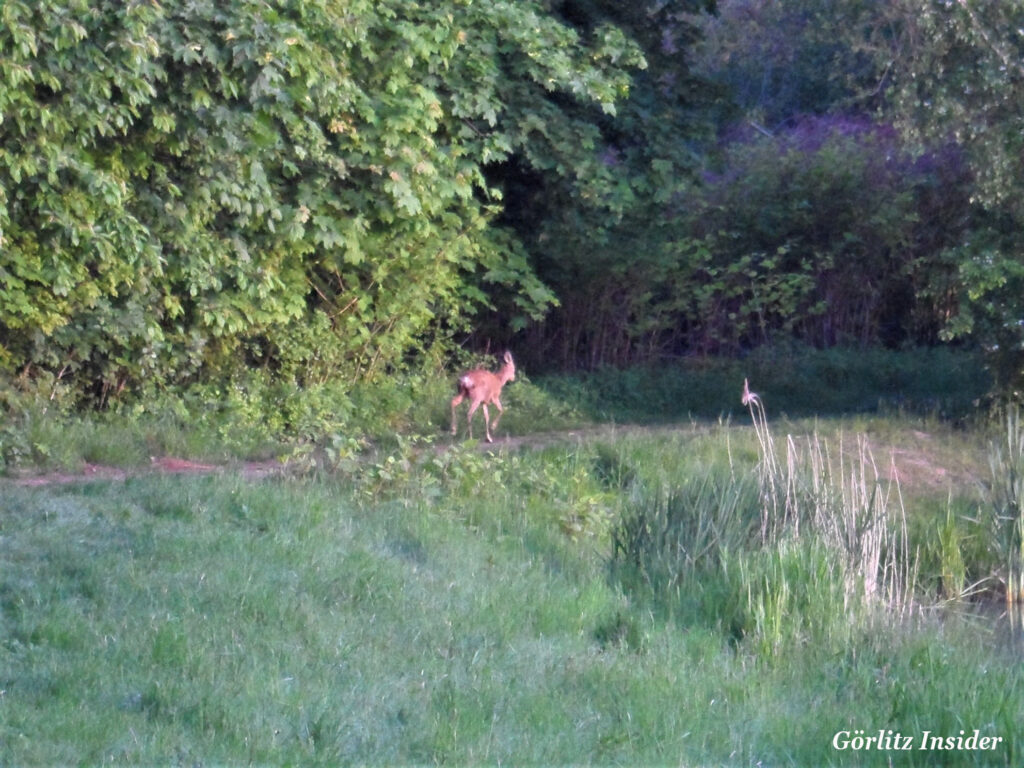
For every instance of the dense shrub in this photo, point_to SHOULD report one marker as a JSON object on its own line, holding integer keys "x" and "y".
{"x": 191, "y": 190}
{"x": 828, "y": 231}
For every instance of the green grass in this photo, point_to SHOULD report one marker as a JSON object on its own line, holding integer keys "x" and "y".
{"x": 619, "y": 595}
{"x": 453, "y": 607}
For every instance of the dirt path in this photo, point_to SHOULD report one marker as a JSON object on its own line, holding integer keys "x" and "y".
{"x": 170, "y": 465}
{"x": 919, "y": 462}
{"x": 167, "y": 465}
{"x": 923, "y": 462}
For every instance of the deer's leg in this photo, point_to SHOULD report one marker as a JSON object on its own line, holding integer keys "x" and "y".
{"x": 455, "y": 404}
{"x": 487, "y": 424}
{"x": 469, "y": 417}
{"x": 497, "y": 404}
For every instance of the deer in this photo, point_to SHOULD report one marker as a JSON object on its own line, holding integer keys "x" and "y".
{"x": 483, "y": 387}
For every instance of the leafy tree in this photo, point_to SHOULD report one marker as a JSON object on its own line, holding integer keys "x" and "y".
{"x": 605, "y": 247}
{"x": 190, "y": 190}
{"x": 959, "y": 77}
{"x": 947, "y": 74}
{"x": 785, "y": 60}
{"x": 812, "y": 221}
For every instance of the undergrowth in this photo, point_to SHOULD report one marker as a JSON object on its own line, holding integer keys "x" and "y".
{"x": 259, "y": 417}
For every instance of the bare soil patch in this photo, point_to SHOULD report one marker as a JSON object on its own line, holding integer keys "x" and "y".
{"x": 924, "y": 461}
{"x": 168, "y": 465}
{"x": 919, "y": 461}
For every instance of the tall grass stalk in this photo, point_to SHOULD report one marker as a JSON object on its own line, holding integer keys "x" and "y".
{"x": 951, "y": 558}
{"x": 769, "y": 470}
{"x": 672, "y": 535}
{"x": 1005, "y": 500}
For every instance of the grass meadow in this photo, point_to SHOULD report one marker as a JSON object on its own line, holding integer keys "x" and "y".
{"x": 745, "y": 589}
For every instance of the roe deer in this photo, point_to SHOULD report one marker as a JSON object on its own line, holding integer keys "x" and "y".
{"x": 483, "y": 387}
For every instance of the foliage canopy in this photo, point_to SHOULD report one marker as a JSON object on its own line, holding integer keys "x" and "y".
{"x": 190, "y": 189}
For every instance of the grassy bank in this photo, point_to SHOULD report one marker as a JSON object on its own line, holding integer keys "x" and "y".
{"x": 448, "y": 606}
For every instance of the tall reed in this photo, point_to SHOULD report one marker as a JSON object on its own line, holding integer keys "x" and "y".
{"x": 672, "y": 534}
{"x": 808, "y": 546}
{"x": 1004, "y": 496}
{"x": 839, "y": 498}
